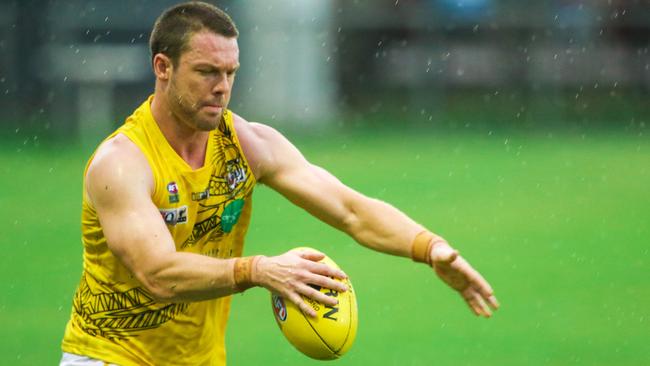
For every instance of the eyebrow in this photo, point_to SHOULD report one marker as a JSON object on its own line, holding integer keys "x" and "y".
{"x": 211, "y": 65}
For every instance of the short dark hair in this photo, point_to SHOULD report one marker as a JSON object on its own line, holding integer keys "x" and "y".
{"x": 176, "y": 25}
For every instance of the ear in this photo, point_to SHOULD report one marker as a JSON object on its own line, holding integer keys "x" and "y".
{"x": 162, "y": 66}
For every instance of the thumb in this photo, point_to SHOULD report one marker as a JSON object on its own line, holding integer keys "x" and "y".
{"x": 442, "y": 253}
{"x": 309, "y": 254}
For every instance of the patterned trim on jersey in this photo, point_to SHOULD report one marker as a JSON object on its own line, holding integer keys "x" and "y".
{"x": 119, "y": 314}
{"x": 227, "y": 187}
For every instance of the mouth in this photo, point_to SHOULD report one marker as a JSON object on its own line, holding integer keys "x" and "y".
{"x": 213, "y": 108}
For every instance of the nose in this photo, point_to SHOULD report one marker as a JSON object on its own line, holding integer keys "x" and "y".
{"x": 222, "y": 84}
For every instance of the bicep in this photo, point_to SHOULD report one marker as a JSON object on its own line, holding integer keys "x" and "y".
{"x": 309, "y": 186}
{"x": 135, "y": 233}
{"x": 120, "y": 190}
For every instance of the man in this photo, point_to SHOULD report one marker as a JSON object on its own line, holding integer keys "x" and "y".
{"x": 167, "y": 202}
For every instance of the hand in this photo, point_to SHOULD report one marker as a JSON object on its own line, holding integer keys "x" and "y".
{"x": 459, "y": 275}
{"x": 291, "y": 273}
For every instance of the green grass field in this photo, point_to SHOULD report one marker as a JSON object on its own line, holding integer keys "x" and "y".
{"x": 559, "y": 224}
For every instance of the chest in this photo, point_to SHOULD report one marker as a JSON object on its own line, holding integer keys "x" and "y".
{"x": 203, "y": 207}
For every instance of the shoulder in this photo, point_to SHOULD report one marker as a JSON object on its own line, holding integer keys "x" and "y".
{"x": 118, "y": 167}
{"x": 254, "y": 131}
{"x": 262, "y": 145}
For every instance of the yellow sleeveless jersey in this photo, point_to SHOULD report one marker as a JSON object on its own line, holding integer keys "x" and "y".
{"x": 207, "y": 211}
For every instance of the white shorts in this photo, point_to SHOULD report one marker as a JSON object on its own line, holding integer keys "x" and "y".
{"x": 70, "y": 359}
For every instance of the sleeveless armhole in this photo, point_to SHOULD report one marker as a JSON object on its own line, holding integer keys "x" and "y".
{"x": 230, "y": 123}
{"x": 147, "y": 156}
{"x": 150, "y": 160}
{"x": 85, "y": 201}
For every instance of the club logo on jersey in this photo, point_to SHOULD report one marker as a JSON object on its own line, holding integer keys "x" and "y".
{"x": 172, "y": 188}
{"x": 231, "y": 214}
{"x": 173, "y": 216}
{"x": 235, "y": 173}
{"x": 200, "y": 196}
{"x": 279, "y": 308}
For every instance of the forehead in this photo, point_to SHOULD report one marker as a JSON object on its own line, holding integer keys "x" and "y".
{"x": 209, "y": 47}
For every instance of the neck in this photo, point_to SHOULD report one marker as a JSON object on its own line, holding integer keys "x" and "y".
{"x": 190, "y": 144}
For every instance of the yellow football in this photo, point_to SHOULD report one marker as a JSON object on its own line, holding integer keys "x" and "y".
{"x": 331, "y": 333}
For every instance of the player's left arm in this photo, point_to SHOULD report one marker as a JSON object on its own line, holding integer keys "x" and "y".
{"x": 373, "y": 223}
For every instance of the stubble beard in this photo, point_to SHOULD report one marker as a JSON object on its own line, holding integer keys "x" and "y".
{"x": 187, "y": 111}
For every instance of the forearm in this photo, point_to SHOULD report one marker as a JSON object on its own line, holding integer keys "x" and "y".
{"x": 380, "y": 226}
{"x": 371, "y": 222}
{"x": 191, "y": 277}
{"x": 180, "y": 276}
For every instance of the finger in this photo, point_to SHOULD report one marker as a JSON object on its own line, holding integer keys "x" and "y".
{"x": 482, "y": 286}
{"x": 475, "y": 303}
{"x": 473, "y": 277}
{"x": 493, "y": 302}
{"x": 485, "y": 310}
{"x": 485, "y": 290}
{"x": 310, "y": 254}
{"x": 302, "y": 305}
{"x": 325, "y": 270}
{"x": 479, "y": 282}
{"x": 326, "y": 282}
{"x": 472, "y": 307}
{"x": 317, "y": 295}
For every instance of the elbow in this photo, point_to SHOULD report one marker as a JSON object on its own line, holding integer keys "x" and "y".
{"x": 352, "y": 223}
{"x": 360, "y": 220}
{"x": 162, "y": 294}
{"x": 160, "y": 290}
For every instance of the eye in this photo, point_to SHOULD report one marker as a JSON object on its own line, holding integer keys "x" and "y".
{"x": 205, "y": 71}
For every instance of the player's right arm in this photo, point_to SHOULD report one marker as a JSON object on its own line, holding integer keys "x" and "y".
{"x": 119, "y": 185}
